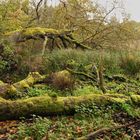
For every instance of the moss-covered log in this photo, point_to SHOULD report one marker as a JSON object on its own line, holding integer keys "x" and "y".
{"x": 30, "y": 80}
{"x": 35, "y": 33}
{"x": 6, "y": 89}
{"x": 45, "y": 105}
{"x": 136, "y": 99}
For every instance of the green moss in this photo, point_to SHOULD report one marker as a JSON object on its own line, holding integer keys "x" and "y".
{"x": 34, "y": 77}
{"x": 1, "y": 83}
{"x": 53, "y": 95}
{"x": 30, "y": 80}
{"x": 136, "y": 99}
{"x": 32, "y": 31}
{"x": 12, "y": 32}
{"x": 63, "y": 73}
{"x": 27, "y": 82}
{"x": 1, "y": 99}
{"x": 12, "y": 89}
{"x": 24, "y": 84}
{"x": 38, "y": 30}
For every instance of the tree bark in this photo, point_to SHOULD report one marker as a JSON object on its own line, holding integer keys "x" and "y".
{"x": 45, "y": 105}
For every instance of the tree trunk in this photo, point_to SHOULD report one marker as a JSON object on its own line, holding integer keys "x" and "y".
{"x": 45, "y": 105}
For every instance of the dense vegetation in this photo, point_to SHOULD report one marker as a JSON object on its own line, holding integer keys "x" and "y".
{"x": 68, "y": 71}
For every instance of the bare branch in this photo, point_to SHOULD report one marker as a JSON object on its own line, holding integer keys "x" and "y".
{"x": 64, "y": 3}
{"x": 98, "y": 31}
{"x": 37, "y": 9}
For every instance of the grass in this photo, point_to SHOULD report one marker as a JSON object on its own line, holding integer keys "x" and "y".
{"x": 78, "y": 60}
{"x": 85, "y": 90}
{"x": 130, "y": 63}
{"x": 114, "y": 62}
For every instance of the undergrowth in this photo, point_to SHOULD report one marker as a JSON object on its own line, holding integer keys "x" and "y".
{"x": 114, "y": 62}
{"x": 88, "y": 118}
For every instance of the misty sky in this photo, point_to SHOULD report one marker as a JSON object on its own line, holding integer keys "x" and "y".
{"x": 132, "y": 7}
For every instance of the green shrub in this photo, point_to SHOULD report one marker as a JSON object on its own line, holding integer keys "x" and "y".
{"x": 130, "y": 63}
{"x": 8, "y": 60}
{"x": 79, "y": 60}
{"x": 68, "y": 58}
{"x": 111, "y": 62}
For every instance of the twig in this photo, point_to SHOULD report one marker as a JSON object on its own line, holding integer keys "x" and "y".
{"x": 93, "y": 135}
{"x": 37, "y": 9}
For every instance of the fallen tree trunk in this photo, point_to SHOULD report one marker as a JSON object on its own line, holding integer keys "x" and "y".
{"x": 45, "y": 105}
{"x": 65, "y": 36}
{"x": 6, "y": 90}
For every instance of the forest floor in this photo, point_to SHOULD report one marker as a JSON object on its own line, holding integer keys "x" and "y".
{"x": 70, "y": 128}
{"x": 107, "y": 122}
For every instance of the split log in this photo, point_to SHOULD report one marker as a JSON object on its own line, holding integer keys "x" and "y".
{"x": 45, "y": 105}
{"x": 7, "y": 90}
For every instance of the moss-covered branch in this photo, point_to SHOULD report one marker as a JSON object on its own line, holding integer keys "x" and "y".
{"x": 6, "y": 89}
{"x": 45, "y": 105}
{"x": 42, "y": 33}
